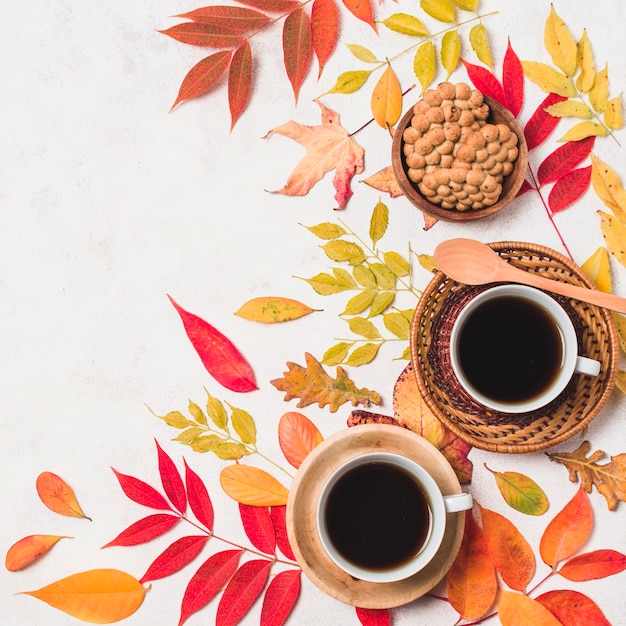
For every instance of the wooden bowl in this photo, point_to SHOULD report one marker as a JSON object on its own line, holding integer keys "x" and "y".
{"x": 510, "y": 185}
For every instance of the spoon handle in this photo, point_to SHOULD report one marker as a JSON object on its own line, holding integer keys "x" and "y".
{"x": 592, "y": 296}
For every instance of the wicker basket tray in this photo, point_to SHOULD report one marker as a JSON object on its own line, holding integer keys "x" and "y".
{"x": 490, "y": 430}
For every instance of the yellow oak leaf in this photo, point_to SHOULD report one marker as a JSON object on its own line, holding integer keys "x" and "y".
{"x": 328, "y": 147}
{"x": 252, "y": 486}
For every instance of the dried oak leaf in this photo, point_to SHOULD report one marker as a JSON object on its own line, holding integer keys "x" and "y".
{"x": 328, "y": 147}
{"x": 609, "y": 478}
{"x": 312, "y": 384}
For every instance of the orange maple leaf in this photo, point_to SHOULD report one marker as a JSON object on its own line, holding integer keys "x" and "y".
{"x": 328, "y": 147}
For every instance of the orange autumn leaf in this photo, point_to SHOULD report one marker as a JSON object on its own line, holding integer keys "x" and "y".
{"x": 516, "y": 609}
{"x": 252, "y": 486}
{"x": 26, "y": 550}
{"x": 99, "y": 596}
{"x": 58, "y": 496}
{"x": 411, "y": 411}
{"x": 297, "y": 48}
{"x": 573, "y": 608}
{"x": 362, "y": 9}
{"x": 568, "y": 531}
{"x": 471, "y": 583}
{"x": 511, "y": 553}
{"x": 328, "y": 147}
{"x": 593, "y": 565}
{"x": 387, "y": 99}
{"x": 384, "y": 180}
{"x": 297, "y": 436}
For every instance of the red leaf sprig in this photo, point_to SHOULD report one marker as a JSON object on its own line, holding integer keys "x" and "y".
{"x": 242, "y": 580}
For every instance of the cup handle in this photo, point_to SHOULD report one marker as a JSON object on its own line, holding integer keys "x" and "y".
{"x": 587, "y": 366}
{"x": 458, "y": 502}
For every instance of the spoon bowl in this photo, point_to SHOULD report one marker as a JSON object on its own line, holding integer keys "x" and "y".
{"x": 474, "y": 263}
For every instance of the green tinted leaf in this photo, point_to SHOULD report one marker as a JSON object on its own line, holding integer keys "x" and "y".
{"x": 363, "y": 327}
{"x": 363, "y": 354}
{"x": 381, "y": 302}
{"x": 385, "y": 278}
{"x": 521, "y": 492}
{"x": 336, "y": 354}
{"x": 216, "y": 411}
{"x": 397, "y": 264}
{"x": 327, "y": 230}
{"x": 424, "y": 64}
{"x": 243, "y": 424}
{"x": 405, "y": 24}
{"x": 442, "y": 10}
{"x": 480, "y": 44}
{"x": 362, "y": 53}
{"x": 349, "y": 82}
{"x": 364, "y": 276}
{"x": 357, "y": 304}
{"x": 344, "y": 251}
{"x": 397, "y": 324}
{"x": 450, "y": 51}
{"x": 379, "y": 222}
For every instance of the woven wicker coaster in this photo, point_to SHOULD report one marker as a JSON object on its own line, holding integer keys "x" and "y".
{"x": 490, "y": 430}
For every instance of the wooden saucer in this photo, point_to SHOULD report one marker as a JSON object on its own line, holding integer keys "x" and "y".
{"x": 304, "y": 493}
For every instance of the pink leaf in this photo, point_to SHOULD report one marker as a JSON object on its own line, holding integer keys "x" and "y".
{"x": 204, "y": 585}
{"x": 144, "y": 530}
{"x": 541, "y": 123}
{"x": 564, "y": 159}
{"x": 258, "y": 526}
{"x": 280, "y": 598}
{"x": 218, "y": 354}
{"x": 513, "y": 81}
{"x": 278, "y": 515}
{"x": 373, "y": 617}
{"x": 142, "y": 493}
{"x": 175, "y": 557}
{"x": 171, "y": 480}
{"x": 485, "y": 82}
{"x": 199, "y": 499}
{"x": 569, "y": 188}
{"x": 242, "y": 590}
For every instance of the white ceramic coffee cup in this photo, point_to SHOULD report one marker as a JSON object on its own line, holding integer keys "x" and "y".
{"x": 571, "y": 362}
{"x": 439, "y": 506}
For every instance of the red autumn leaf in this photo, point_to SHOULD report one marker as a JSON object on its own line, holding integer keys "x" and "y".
{"x": 324, "y": 30}
{"x": 204, "y": 35}
{"x": 175, "y": 557}
{"x": 564, "y": 159}
{"x": 204, "y": 585}
{"x": 471, "y": 582}
{"x": 297, "y": 436}
{"x": 257, "y": 523}
{"x": 218, "y": 354}
{"x": 28, "y": 549}
{"x": 203, "y": 76}
{"x": 239, "y": 81}
{"x": 568, "y": 531}
{"x": 373, "y": 617}
{"x": 278, "y": 515}
{"x": 541, "y": 123}
{"x": 513, "y": 81}
{"x": 526, "y": 186}
{"x": 362, "y": 9}
{"x": 593, "y": 565}
{"x": 486, "y": 82}
{"x": 274, "y": 6}
{"x": 569, "y": 188}
{"x": 236, "y": 18}
{"x": 297, "y": 48}
{"x": 199, "y": 500}
{"x": 171, "y": 480}
{"x": 142, "y": 493}
{"x": 242, "y": 590}
{"x": 144, "y": 530}
{"x": 329, "y": 147}
{"x": 511, "y": 553}
{"x": 280, "y": 597}
{"x": 572, "y": 608}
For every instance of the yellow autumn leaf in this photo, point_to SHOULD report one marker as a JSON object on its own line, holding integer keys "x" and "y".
{"x": 584, "y": 60}
{"x": 442, "y": 10}
{"x": 582, "y": 130}
{"x": 379, "y": 222}
{"x": 620, "y": 382}
{"x": 599, "y": 93}
{"x": 608, "y": 186}
{"x": 58, "y": 496}
{"x": 252, "y": 486}
{"x": 620, "y": 324}
{"x": 424, "y": 64}
{"x": 614, "y": 233}
{"x": 99, "y": 596}
{"x": 405, "y": 24}
{"x": 387, "y": 99}
{"x": 269, "y": 310}
{"x": 548, "y": 79}
{"x": 467, "y": 5}
{"x": 598, "y": 269}
{"x": 362, "y": 53}
{"x": 521, "y": 492}
{"x": 480, "y": 44}
{"x": 613, "y": 113}
{"x": 570, "y": 108}
{"x": 450, "y": 51}
{"x": 560, "y": 44}
{"x": 349, "y": 82}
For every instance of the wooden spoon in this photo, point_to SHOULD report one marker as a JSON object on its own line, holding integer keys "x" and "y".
{"x": 474, "y": 263}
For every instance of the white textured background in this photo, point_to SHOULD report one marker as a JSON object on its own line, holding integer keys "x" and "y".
{"x": 108, "y": 202}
